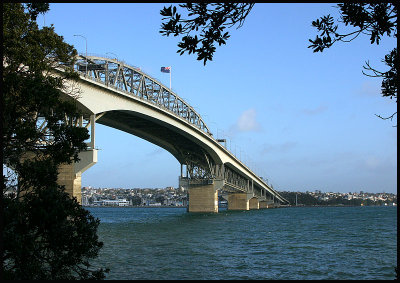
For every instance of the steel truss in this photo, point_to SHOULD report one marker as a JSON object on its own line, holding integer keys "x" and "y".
{"x": 232, "y": 180}
{"x": 135, "y": 82}
{"x": 200, "y": 167}
{"x": 200, "y": 172}
{"x": 85, "y": 121}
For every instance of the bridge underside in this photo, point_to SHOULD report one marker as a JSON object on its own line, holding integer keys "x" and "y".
{"x": 181, "y": 147}
{"x": 203, "y": 192}
{"x": 203, "y": 188}
{"x": 125, "y": 98}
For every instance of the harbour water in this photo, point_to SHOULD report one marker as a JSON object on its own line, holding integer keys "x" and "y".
{"x": 298, "y": 243}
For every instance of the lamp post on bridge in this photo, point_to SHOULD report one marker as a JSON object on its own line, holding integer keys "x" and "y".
{"x": 116, "y": 57}
{"x": 230, "y": 142}
{"x": 86, "y": 51}
{"x": 211, "y": 122}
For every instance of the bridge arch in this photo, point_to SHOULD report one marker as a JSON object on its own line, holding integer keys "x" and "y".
{"x": 125, "y": 98}
{"x": 160, "y": 132}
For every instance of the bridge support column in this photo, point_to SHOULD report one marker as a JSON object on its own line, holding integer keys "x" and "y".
{"x": 71, "y": 181}
{"x": 203, "y": 198}
{"x": 263, "y": 204}
{"x": 254, "y": 203}
{"x": 70, "y": 175}
{"x": 239, "y": 201}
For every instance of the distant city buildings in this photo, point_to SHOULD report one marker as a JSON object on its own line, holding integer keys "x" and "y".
{"x": 351, "y": 198}
{"x": 168, "y": 196}
{"x": 177, "y": 197}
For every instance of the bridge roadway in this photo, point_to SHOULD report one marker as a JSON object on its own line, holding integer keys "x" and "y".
{"x": 123, "y": 97}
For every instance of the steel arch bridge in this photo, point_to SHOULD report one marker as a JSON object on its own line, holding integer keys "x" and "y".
{"x": 126, "y": 98}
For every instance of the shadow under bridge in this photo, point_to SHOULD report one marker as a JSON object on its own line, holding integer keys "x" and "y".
{"x": 123, "y": 97}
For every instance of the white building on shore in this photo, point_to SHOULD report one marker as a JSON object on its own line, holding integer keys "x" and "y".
{"x": 112, "y": 202}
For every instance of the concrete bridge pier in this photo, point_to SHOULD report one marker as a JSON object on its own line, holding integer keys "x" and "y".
{"x": 254, "y": 203}
{"x": 239, "y": 201}
{"x": 263, "y": 204}
{"x": 203, "y": 198}
{"x": 268, "y": 203}
{"x": 70, "y": 175}
{"x": 203, "y": 194}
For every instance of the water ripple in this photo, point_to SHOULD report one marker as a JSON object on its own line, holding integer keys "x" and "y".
{"x": 315, "y": 243}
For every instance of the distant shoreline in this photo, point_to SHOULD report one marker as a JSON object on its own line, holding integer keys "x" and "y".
{"x": 173, "y": 206}
{"x": 138, "y": 206}
{"x": 341, "y": 205}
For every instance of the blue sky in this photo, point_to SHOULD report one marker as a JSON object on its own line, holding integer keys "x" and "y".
{"x": 303, "y": 120}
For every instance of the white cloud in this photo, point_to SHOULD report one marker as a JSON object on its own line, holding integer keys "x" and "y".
{"x": 247, "y": 121}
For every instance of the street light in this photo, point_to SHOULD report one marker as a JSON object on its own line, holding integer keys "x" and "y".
{"x": 210, "y": 122}
{"x": 86, "y": 50}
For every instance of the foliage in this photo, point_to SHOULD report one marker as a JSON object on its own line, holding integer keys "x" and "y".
{"x": 205, "y": 25}
{"x": 211, "y": 18}
{"x": 46, "y": 234}
{"x": 160, "y": 199}
{"x": 373, "y": 19}
{"x": 136, "y": 200}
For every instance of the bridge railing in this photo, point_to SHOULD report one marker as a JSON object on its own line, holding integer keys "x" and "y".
{"x": 124, "y": 63}
{"x": 134, "y": 81}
